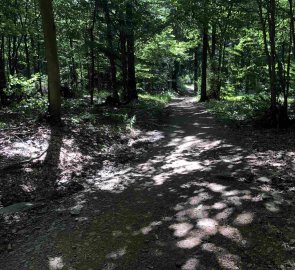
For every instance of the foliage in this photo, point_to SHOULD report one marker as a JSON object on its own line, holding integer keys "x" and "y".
{"x": 239, "y": 109}
{"x": 20, "y": 87}
{"x": 125, "y": 117}
{"x": 167, "y": 36}
{"x": 156, "y": 60}
{"x": 24, "y": 96}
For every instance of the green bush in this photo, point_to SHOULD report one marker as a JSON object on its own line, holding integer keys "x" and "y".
{"x": 240, "y": 108}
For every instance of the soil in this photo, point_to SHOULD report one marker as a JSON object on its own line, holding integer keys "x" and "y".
{"x": 193, "y": 194}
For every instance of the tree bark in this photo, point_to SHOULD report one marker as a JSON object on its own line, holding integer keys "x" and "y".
{"x": 123, "y": 50}
{"x": 73, "y": 70}
{"x": 196, "y": 68}
{"x": 264, "y": 33}
{"x": 272, "y": 39}
{"x": 2, "y": 73}
{"x": 111, "y": 52}
{"x": 123, "y": 42}
{"x": 292, "y": 21}
{"x": 132, "y": 91}
{"x": 175, "y": 76}
{"x": 213, "y": 66}
{"x": 204, "y": 64}
{"x": 28, "y": 61}
{"x": 92, "y": 55}
{"x": 52, "y": 58}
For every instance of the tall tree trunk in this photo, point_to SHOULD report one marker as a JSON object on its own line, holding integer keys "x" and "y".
{"x": 286, "y": 93}
{"x": 73, "y": 71}
{"x": 291, "y": 46}
{"x": 14, "y": 56}
{"x": 213, "y": 42}
{"x": 213, "y": 66}
{"x": 111, "y": 52}
{"x": 175, "y": 76}
{"x": 264, "y": 33}
{"x": 2, "y": 73}
{"x": 92, "y": 55}
{"x": 292, "y": 21}
{"x": 9, "y": 58}
{"x": 272, "y": 40}
{"x": 123, "y": 42}
{"x": 196, "y": 68}
{"x": 28, "y": 61}
{"x": 221, "y": 60}
{"x": 132, "y": 91}
{"x": 204, "y": 64}
{"x": 52, "y": 58}
{"x": 39, "y": 65}
{"x": 92, "y": 66}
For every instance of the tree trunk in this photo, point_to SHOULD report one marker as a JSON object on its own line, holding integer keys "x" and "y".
{"x": 264, "y": 33}
{"x": 39, "y": 65}
{"x": 92, "y": 56}
{"x": 272, "y": 39}
{"x": 52, "y": 58}
{"x": 28, "y": 61}
{"x": 175, "y": 76}
{"x": 220, "y": 66}
{"x": 73, "y": 70}
{"x": 14, "y": 56}
{"x": 111, "y": 52}
{"x": 132, "y": 91}
{"x": 9, "y": 58}
{"x": 92, "y": 66}
{"x": 196, "y": 68}
{"x": 204, "y": 64}
{"x": 123, "y": 41}
{"x": 213, "y": 66}
{"x": 286, "y": 93}
{"x": 2, "y": 73}
{"x": 291, "y": 15}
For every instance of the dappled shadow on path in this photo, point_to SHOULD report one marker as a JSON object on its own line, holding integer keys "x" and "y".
{"x": 199, "y": 199}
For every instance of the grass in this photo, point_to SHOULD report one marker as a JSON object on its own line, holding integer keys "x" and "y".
{"x": 154, "y": 101}
{"x": 163, "y": 98}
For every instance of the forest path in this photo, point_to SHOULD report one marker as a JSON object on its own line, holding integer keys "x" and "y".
{"x": 199, "y": 199}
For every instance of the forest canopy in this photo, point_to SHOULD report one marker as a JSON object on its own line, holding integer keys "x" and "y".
{"x": 225, "y": 48}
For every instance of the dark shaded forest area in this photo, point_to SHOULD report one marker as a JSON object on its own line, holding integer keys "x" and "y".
{"x": 147, "y": 134}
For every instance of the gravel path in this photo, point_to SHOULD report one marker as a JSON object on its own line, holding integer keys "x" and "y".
{"x": 201, "y": 198}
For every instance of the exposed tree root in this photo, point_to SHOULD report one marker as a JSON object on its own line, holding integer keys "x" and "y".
{"x": 18, "y": 165}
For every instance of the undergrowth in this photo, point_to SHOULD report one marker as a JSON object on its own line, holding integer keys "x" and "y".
{"x": 77, "y": 111}
{"x": 239, "y": 110}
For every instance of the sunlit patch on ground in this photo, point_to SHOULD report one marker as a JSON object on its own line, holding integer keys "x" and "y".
{"x": 17, "y": 147}
{"x": 55, "y": 263}
{"x": 197, "y": 200}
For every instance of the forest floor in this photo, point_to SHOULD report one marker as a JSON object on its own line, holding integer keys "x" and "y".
{"x": 192, "y": 194}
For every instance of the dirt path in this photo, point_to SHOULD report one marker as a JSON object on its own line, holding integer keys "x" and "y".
{"x": 200, "y": 199}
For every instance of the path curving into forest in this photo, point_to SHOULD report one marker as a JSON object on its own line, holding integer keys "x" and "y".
{"x": 199, "y": 199}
